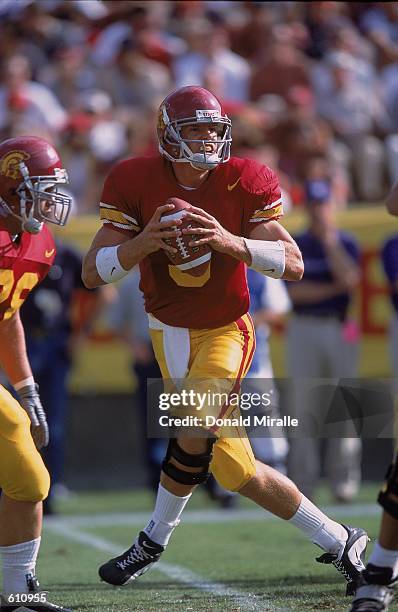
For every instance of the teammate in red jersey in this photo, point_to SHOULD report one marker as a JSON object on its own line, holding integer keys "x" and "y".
{"x": 30, "y": 172}
{"x": 199, "y": 325}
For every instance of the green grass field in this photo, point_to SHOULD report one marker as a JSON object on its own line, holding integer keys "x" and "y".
{"x": 217, "y": 560}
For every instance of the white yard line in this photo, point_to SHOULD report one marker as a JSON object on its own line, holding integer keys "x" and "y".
{"x": 202, "y": 516}
{"x": 239, "y": 599}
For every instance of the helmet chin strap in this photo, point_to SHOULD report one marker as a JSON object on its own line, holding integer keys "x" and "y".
{"x": 198, "y": 162}
{"x": 28, "y": 223}
{"x": 32, "y": 226}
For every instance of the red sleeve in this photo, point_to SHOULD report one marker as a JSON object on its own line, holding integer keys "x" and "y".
{"x": 263, "y": 200}
{"x": 116, "y": 211}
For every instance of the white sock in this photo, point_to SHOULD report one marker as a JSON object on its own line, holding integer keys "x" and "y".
{"x": 17, "y": 562}
{"x": 166, "y": 515}
{"x": 318, "y": 527}
{"x": 382, "y": 557}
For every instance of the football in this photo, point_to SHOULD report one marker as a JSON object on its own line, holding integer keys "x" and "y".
{"x": 192, "y": 260}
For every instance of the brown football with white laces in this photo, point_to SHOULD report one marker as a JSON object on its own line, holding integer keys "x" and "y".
{"x": 193, "y": 260}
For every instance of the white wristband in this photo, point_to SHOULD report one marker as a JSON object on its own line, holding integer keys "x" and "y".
{"x": 23, "y": 383}
{"x": 268, "y": 257}
{"x": 108, "y": 264}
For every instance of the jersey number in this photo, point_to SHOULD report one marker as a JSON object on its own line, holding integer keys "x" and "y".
{"x": 26, "y": 282}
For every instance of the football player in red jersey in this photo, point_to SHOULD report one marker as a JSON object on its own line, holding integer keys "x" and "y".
{"x": 30, "y": 173}
{"x": 199, "y": 325}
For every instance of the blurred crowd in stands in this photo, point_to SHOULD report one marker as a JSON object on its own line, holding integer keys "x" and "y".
{"x": 311, "y": 87}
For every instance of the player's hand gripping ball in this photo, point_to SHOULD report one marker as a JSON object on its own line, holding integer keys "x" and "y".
{"x": 192, "y": 260}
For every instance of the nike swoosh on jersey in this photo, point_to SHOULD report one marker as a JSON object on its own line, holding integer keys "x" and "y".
{"x": 231, "y": 187}
{"x": 49, "y": 253}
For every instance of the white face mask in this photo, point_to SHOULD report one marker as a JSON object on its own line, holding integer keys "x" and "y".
{"x": 202, "y": 160}
{"x": 40, "y": 200}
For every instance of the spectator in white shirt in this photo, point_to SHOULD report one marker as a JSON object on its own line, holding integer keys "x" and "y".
{"x": 357, "y": 115}
{"x": 209, "y": 61}
{"x": 39, "y": 108}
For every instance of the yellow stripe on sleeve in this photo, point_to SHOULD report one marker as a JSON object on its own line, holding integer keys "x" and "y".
{"x": 266, "y": 214}
{"x": 111, "y": 215}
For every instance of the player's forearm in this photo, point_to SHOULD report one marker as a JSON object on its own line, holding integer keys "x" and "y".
{"x": 293, "y": 262}
{"x": 90, "y": 276}
{"x": 308, "y": 292}
{"x": 129, "y": 253}
{"x": 392, "y": 201}
{"x": 279, "y": 259}
{"x": 294, "y": 268}
{"x": 13, "y": 358}
{"x": 236, "y": 247}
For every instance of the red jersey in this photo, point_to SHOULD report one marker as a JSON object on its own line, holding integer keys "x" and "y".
{"x": 238, "y": 193}
{"x": 23, "y": 264}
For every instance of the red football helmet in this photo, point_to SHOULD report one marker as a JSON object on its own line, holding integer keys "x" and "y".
{"x": 30, "y": 172}
{"x": 188, "y": 106}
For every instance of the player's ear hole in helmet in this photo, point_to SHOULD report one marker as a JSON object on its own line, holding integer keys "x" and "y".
{"x": 30, "y": 175}
{"x": 193, "y": 106}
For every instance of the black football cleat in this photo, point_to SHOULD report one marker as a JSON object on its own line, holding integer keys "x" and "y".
{"x": 350, "y": 561}
{"x": 375, "y": 590}
{"x": 137, "y": 560}
{"x": 36, "y": 605}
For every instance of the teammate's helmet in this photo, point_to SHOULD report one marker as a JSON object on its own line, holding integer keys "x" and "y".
{"x": 188, "y": 106}
{"x": 30, "y": 172}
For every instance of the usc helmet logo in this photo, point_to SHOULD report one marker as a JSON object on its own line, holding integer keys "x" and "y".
{"x": 9, "y": 164}
{"x": 161, "y": 124}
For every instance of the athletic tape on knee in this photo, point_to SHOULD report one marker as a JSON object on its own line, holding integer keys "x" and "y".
{"x": 189, "y": 460}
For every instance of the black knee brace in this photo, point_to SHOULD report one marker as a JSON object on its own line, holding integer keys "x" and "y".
{"x": 391, "y": 486}
{"x": 201, "y": 460}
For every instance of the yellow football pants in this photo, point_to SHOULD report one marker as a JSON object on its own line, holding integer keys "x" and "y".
{"x": 23, "y": 475}
{"x": 222, "y": 356}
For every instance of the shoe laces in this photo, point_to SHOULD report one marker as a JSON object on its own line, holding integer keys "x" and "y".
{"x": 32, "y": 583}
{"x": 339, "y": 565}
{"x": 136, "y": 554}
